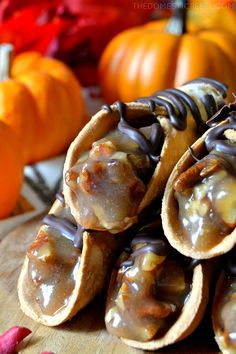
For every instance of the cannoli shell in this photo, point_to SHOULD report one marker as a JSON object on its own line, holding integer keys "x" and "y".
{"x": 190, "y": 316}
{"x": 170, "y": 211}
{"x": 96, "y": 259}
{"x": 175, "y": 144}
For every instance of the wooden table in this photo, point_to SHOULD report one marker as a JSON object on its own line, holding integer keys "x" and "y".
{"x": 85, "y": 333}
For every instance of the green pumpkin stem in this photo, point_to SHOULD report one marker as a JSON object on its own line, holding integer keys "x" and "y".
{"x": 177, "y": 23}
{"x": 6, "y": 54}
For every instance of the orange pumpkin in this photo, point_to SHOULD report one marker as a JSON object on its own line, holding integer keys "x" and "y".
{"x": 17, "y": 107}
{"x": 53, "y": 112}
{"x": 144, "y": 59}
{"x": 213, "y": 14}
{"x": 11, "y": 167}
{"x": 28, "y": 61}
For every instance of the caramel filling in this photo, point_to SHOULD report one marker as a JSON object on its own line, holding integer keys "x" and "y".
{"x": 109, "y": 182}
{"x": 206, "y": 194}
{"x": 145, "y": 299}
{"x": 226, "y": 314}
{"x": 52, "y": 271}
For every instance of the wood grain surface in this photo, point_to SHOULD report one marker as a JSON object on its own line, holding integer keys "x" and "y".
{"x": 86, "y": 332}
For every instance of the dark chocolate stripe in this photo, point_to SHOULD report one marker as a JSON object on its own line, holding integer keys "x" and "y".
{"x": 219, "y": 86}
{"x": 149, "y": 240}
{"x": 107, "y": 108}
{"x": 60, "y": 197}
{"x": 66, "y": 228}
{"x": 209, "y": 104}
{"x": 190, "y": 103}
{"x": 173, "y": 97}
{"x": 146, "y": 145}
{"x": 175, "y": 102}
{"x": 156, "y": 136}
{"x": 216, "y": 140}
{"x": 227, "y": 111}
{"x": 177, "y": 120}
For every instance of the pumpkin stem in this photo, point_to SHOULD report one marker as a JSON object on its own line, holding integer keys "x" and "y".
{"x": 6, "y": 54}
{"x": 177, "y": 23}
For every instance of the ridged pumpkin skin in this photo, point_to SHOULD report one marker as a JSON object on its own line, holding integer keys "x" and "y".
{"x": 145, "y": 59}
{"x": 28, "y": 61}
{"x": 58, "y": 101}
{"x": 11, "y": 167}
{"x": 53, "y": 120}
{"x": 17, "y": 109}
{"x": 224, "y": 19}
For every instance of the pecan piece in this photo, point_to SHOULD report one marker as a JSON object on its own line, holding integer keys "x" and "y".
{"x": 154, "y": 308}
{"x": 204, "y": 168}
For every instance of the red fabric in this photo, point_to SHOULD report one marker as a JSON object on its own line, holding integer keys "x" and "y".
{"x": 75, "y": 31}
{"x": 12, "y": 337}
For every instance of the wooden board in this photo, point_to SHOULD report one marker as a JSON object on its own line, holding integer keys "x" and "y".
{"x": 85, "y": 333}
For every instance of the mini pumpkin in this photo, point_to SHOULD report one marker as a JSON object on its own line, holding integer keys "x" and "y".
{"x": 17, "y": 107}
{"x": 11, "y": 167}
{"x": 28, "y": 61}
{"x": 42, "y": 102}
{"x": 207, "y": 14}
{"x": 144, "y": 59}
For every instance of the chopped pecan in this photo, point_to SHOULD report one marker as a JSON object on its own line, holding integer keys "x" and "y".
{"x": 202, "y": 169}
{"x": 154, "y": 308}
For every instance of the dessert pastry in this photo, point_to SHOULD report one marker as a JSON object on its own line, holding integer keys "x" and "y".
{"x": 199, "y": 204}
{"x": 156, "y": 296}
{"x": 116, "y": 166}
{"x": 127, "y": 151}
{"x": 65, "y": 267}
{"x": 224, "y": 307}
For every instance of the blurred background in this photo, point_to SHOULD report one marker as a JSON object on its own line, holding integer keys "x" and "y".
{"x": 77, "y": 31}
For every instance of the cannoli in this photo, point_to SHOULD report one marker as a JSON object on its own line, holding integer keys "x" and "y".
{"x": 156, "y": 296}
{"x": 199, "y": 204}
{"x": 65, "y": 267}
{"x": 121, "y": 160}
{"x": 116, "y": 166}
{"x": 224, "y": 307}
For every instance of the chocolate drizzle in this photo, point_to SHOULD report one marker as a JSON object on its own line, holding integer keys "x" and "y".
{"x": 151, "y": 239}
{"x": 209, "y": 104}
{"x": 147, "y": 235}
{"x": 185, "y": 100}
{"x": 178, "y": 100}
{"x": 177, "y": 120}
{"x": 60, "y": 197}
{"x": 219, "y": 86}
{"x": 225, "y": 112}
{"x": 215, "y": 138}
{"x": 175, "y": 103}
{"x": 66, "y": 228}
{"x": 148, "y": 146}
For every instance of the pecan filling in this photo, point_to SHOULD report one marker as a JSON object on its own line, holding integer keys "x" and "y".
{"x": 110, "y": 181}
{"x": 147, "y": 292}
{"x": 206, "y": 194}
{"x": 53, "y": 266}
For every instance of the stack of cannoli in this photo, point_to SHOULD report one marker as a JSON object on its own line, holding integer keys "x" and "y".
{"x": 106, "y": 223}
{"x": 199, "y": 213}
